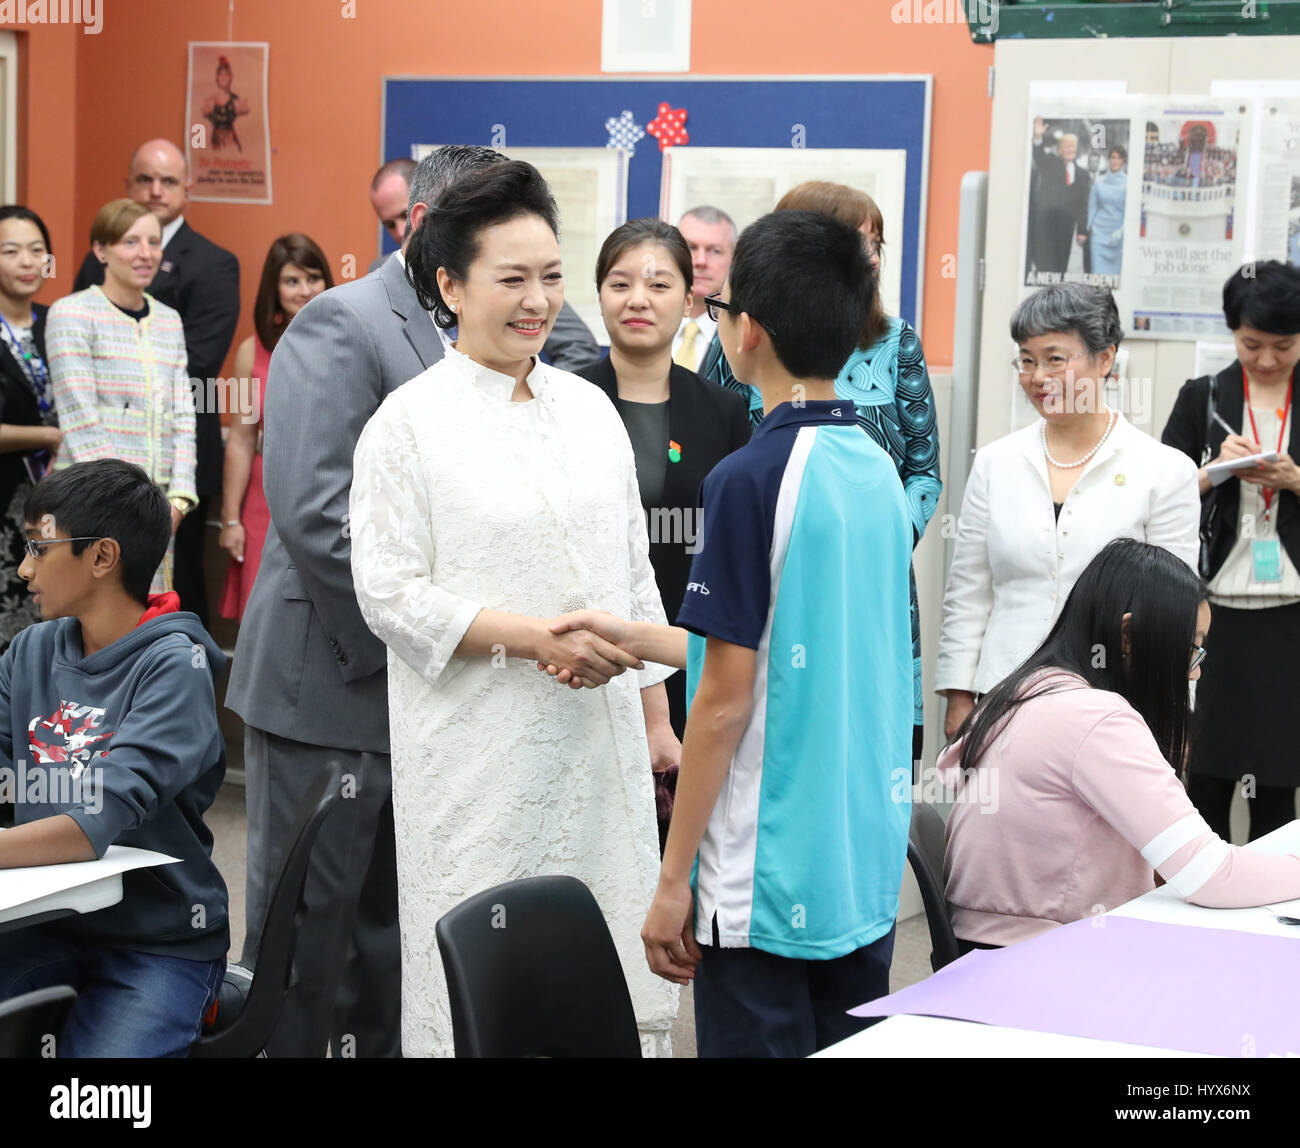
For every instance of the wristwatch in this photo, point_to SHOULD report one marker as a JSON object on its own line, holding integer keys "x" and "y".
{"x": 184, "y": 505}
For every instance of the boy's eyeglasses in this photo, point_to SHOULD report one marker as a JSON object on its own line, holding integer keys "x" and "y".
{"x": 36, "y": 546}
{"x": 714, "y": 303}
{"x": 1198, "y": 656}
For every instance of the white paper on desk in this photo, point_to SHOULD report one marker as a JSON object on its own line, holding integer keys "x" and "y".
{"x": 1168, "y": 908}
{"x": 1219, "y": 472}
{"x": 1164, "y": 905}
{"x": 19, "y": 886}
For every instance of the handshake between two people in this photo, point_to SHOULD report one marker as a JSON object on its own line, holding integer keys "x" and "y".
{"x": 590, "y": 647}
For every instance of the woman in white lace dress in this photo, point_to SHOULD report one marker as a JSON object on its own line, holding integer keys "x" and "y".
{"x": 490, "y": 494}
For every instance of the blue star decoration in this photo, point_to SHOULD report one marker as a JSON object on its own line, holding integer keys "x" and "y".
{"x": 624, "y": 131}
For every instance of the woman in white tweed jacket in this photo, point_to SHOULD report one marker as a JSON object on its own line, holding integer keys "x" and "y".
{"x": 118, "y": 365}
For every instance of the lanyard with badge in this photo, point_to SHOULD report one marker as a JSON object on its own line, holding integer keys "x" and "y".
{"x": 1266, "y": 553}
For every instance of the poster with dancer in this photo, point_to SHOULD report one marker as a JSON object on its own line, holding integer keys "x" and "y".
{"x": 227, "y": 124}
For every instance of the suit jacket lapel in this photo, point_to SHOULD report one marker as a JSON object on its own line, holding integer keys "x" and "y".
{"x": 602, "y": 376}
{"x": 1230, "y": 398}
{"x": 404, "y": 301}
{"x": 10, "y": 369}
{"x": 164, "y": 282}
{"x": 425, "y": 340}
{"x": 10, "y": 366}
{"x": 1031, "y": 447}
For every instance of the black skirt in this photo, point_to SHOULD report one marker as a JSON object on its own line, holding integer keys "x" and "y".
{"x": 1247, "y": 696}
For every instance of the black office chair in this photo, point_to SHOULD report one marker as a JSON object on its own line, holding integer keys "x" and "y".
{"x": 532, "y": 972}
{"x": 925, "y": 854}
{"x": 27, "y": 1021}
{"x": 250, "y": 998}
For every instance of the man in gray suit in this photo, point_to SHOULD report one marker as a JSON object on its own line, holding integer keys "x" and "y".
{"x": 309, "y": 679}
{"x": 570, "y": 346}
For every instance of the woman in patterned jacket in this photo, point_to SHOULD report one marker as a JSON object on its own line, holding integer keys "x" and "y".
{"x": 118, "y": 365}
{"x": 885, "y": 378}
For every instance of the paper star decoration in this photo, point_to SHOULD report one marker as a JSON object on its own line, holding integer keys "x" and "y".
{"x": 624, "y": 131}
{"x": 669, "y": 127}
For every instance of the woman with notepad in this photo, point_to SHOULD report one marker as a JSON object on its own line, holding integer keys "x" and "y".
{"x": 1250, "y": 553}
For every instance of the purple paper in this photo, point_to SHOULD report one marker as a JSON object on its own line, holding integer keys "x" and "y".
{"x": 1117, "y": 978}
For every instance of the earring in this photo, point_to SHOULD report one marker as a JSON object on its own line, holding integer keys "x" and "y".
{"x": 451, "y": 307}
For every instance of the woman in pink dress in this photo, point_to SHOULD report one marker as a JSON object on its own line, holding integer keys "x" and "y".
{"x": 295, "y": 272}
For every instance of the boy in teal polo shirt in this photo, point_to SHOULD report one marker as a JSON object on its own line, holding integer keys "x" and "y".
{"x": 780, "y": 878}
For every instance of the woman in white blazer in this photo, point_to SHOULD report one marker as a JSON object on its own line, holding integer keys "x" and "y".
{"x": 1041, "y": 502}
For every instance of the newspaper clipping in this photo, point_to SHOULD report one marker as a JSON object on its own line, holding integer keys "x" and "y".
{"x": 1189, "y": 241}
{"x": 1078, "y": 196}
{"x": 1277, "y": 215}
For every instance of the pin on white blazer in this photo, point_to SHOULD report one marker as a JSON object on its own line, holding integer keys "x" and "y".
{"x": 1014, "y": 564}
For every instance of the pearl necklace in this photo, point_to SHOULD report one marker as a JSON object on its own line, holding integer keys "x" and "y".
{"x": 1110, "y": 426}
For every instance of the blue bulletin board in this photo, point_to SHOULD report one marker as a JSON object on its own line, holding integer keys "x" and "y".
{"x": 835, "y": 112}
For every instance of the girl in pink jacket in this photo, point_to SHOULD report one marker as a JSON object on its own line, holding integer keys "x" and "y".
{"x": 1066, "y": 774}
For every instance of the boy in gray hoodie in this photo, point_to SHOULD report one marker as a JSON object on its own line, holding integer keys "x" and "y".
{"x": 108, "y": 735}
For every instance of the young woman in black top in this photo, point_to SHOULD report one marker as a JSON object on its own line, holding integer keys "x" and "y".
{"x": 680, "y": 425}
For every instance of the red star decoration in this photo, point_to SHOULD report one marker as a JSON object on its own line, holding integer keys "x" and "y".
{"x": 669, "y": 127}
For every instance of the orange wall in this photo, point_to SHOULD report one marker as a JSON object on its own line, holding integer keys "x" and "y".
{"x": 48, "y": 143}
{"x": 325, "y": 101}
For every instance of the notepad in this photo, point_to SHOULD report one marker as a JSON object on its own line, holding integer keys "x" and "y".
{"x": 1220, "y": 472}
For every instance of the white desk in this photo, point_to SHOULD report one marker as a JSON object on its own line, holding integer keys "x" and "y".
{"x": 924, "y": 1037}
{"x": 910, "y": 1037}
{"x": 42, "y": 892}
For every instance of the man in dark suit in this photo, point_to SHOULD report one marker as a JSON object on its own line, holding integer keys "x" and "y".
{"x": 1058, "y": 203}
{"x": 201, "y": 281}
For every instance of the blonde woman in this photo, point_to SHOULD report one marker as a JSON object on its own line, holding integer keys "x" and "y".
{"x": 118, "y": 365}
